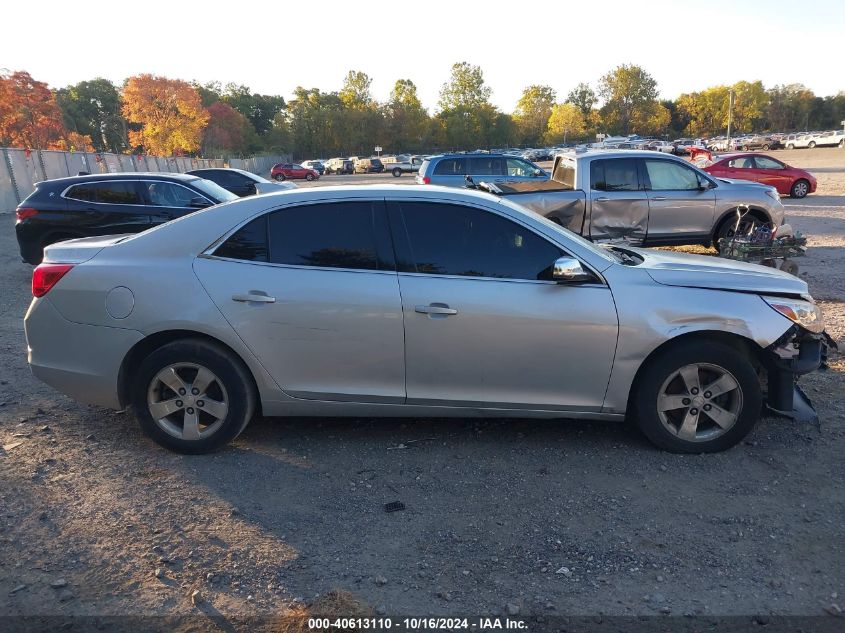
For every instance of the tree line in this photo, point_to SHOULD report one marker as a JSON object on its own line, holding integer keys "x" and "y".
{"x": 162, "y": 116}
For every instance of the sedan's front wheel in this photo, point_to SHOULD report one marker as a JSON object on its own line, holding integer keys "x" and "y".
{"x": 192, "y": 396}
{"x": 698, "y": 397}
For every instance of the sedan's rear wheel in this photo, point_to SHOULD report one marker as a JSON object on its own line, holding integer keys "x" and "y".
{"x": 192, "y": 396}
{"x": 698, "y": 397}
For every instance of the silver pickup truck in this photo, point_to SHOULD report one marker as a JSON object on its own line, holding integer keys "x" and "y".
{"x": 647, "y": 198}
{"x": 404, "y": 164}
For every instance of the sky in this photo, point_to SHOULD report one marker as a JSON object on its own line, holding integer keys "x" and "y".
{"x": 272, "y": 47}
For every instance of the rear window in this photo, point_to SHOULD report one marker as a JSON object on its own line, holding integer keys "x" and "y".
{"x": 116, "y": 192}
{"x": 565, "y": 174}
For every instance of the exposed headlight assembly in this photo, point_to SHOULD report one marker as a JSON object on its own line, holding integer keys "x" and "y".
{"x": 805, "y": 313}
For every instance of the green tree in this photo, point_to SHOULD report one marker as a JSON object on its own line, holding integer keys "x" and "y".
{"x": 630, "y": 99}
{"x": 565, "y": 123}
{"x": 92, "y": 108}
{"x": 466, "y": 117}
{"x": 465, "y": 89}
{"x": 355, "y": 93}
{"x": 583, "y": 97}
{"x": 407, "y": 122}
{"x": 313, "y": 124}
{"x": 261, "y": 110}
{"x": 532, "y": 113}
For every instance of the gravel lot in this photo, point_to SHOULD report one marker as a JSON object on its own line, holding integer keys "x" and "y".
{"x": 520, "y": 516}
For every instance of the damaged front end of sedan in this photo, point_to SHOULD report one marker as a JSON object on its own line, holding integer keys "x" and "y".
{"x": 799, "y": 351}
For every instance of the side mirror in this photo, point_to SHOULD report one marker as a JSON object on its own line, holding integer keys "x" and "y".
{"x": 199, "y": 203}
{"x": 538, "y": 173}
{"x": 569, "y": 270}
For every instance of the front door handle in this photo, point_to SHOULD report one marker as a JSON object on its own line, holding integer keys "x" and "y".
{"x": 602, "y": 199}
{"x": 435, "y": 308}
{"x": 253, "y": 297}
{"x": 659, "y": 198}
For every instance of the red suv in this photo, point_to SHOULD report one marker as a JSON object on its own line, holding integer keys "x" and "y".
{"x": 283, "y": 171}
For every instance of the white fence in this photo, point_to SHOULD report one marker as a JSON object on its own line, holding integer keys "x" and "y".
{"x": 20, "y": 169}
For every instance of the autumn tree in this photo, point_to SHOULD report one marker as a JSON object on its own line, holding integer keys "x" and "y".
{"x": 565, "y": 123}
{"x": 228, "y": 131}
{"x": 361, "y": 120}
{"x": 465, "y": 89}
{"x": 29, "y": 115}
{"x": 630, "y": 100}
{"x": 170, "y": 112}
{"x": 92, "y": 108}
{"x": 532, "y": 113}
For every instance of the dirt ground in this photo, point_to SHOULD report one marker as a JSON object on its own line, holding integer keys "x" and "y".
{"x": 501, "y": 517}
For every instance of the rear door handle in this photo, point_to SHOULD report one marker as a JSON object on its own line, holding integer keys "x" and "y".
{"x": 435, "y": 308}
{"x": 659, "y": 198}
{"x": 602, "y": 199}
{"x": 254, "y": 298}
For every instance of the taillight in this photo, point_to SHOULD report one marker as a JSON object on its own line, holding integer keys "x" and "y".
{"x": 426, "y": 180}
{"x": 45, "y": 276}
{"x": 23, "y": 213}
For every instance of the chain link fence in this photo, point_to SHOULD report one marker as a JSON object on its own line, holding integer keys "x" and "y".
{"x": 20, "y": 169}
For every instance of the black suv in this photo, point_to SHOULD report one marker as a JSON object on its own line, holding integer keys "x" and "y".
{"x": 107, "y": 204}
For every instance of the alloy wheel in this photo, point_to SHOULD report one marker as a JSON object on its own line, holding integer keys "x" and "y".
{"x": 800, "y": 189}
{"x": 699, "y": 402}
{"x": 187, "y": 401}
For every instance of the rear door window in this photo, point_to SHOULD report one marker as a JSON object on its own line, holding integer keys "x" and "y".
{"x": 451, "y": 167}
{"x": 486, "y": 166}
{"x": 331, "y": 235}
{"x": 616, "y": 174}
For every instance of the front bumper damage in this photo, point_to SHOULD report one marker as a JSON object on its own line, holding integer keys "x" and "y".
{"x": 794, "y": 354}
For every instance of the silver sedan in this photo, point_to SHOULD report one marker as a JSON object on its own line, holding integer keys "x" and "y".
{"x": 408, "y": 301}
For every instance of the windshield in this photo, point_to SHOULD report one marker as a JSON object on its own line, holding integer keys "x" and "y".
{"x": 213, "y": 190}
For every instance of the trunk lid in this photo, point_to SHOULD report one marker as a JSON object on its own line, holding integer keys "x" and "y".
{"x": 80, "y": 250}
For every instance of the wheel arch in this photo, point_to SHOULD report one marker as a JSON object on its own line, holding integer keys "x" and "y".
{"x": 750, "y": 347}
{"x": 730, "y": 214}
{"x": 151, "y": 343}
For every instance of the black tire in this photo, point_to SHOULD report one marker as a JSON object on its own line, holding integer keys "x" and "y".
{"x": 765, "y": 148}
{"x": 790, "y": 146}
{"x": 309, "y": 177}
{"x": 230, "y": 373}
{"x": 746, "y": 398}
{"x": 279, "y": 177}
{"x": 726, "y": 228}
{"x": 842, "y": 143}
{"x": 745, "y": 148}
{"x": 800, "y": 189}
{"x": 396, "y": 172}
{"x": 811, "y": 144}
